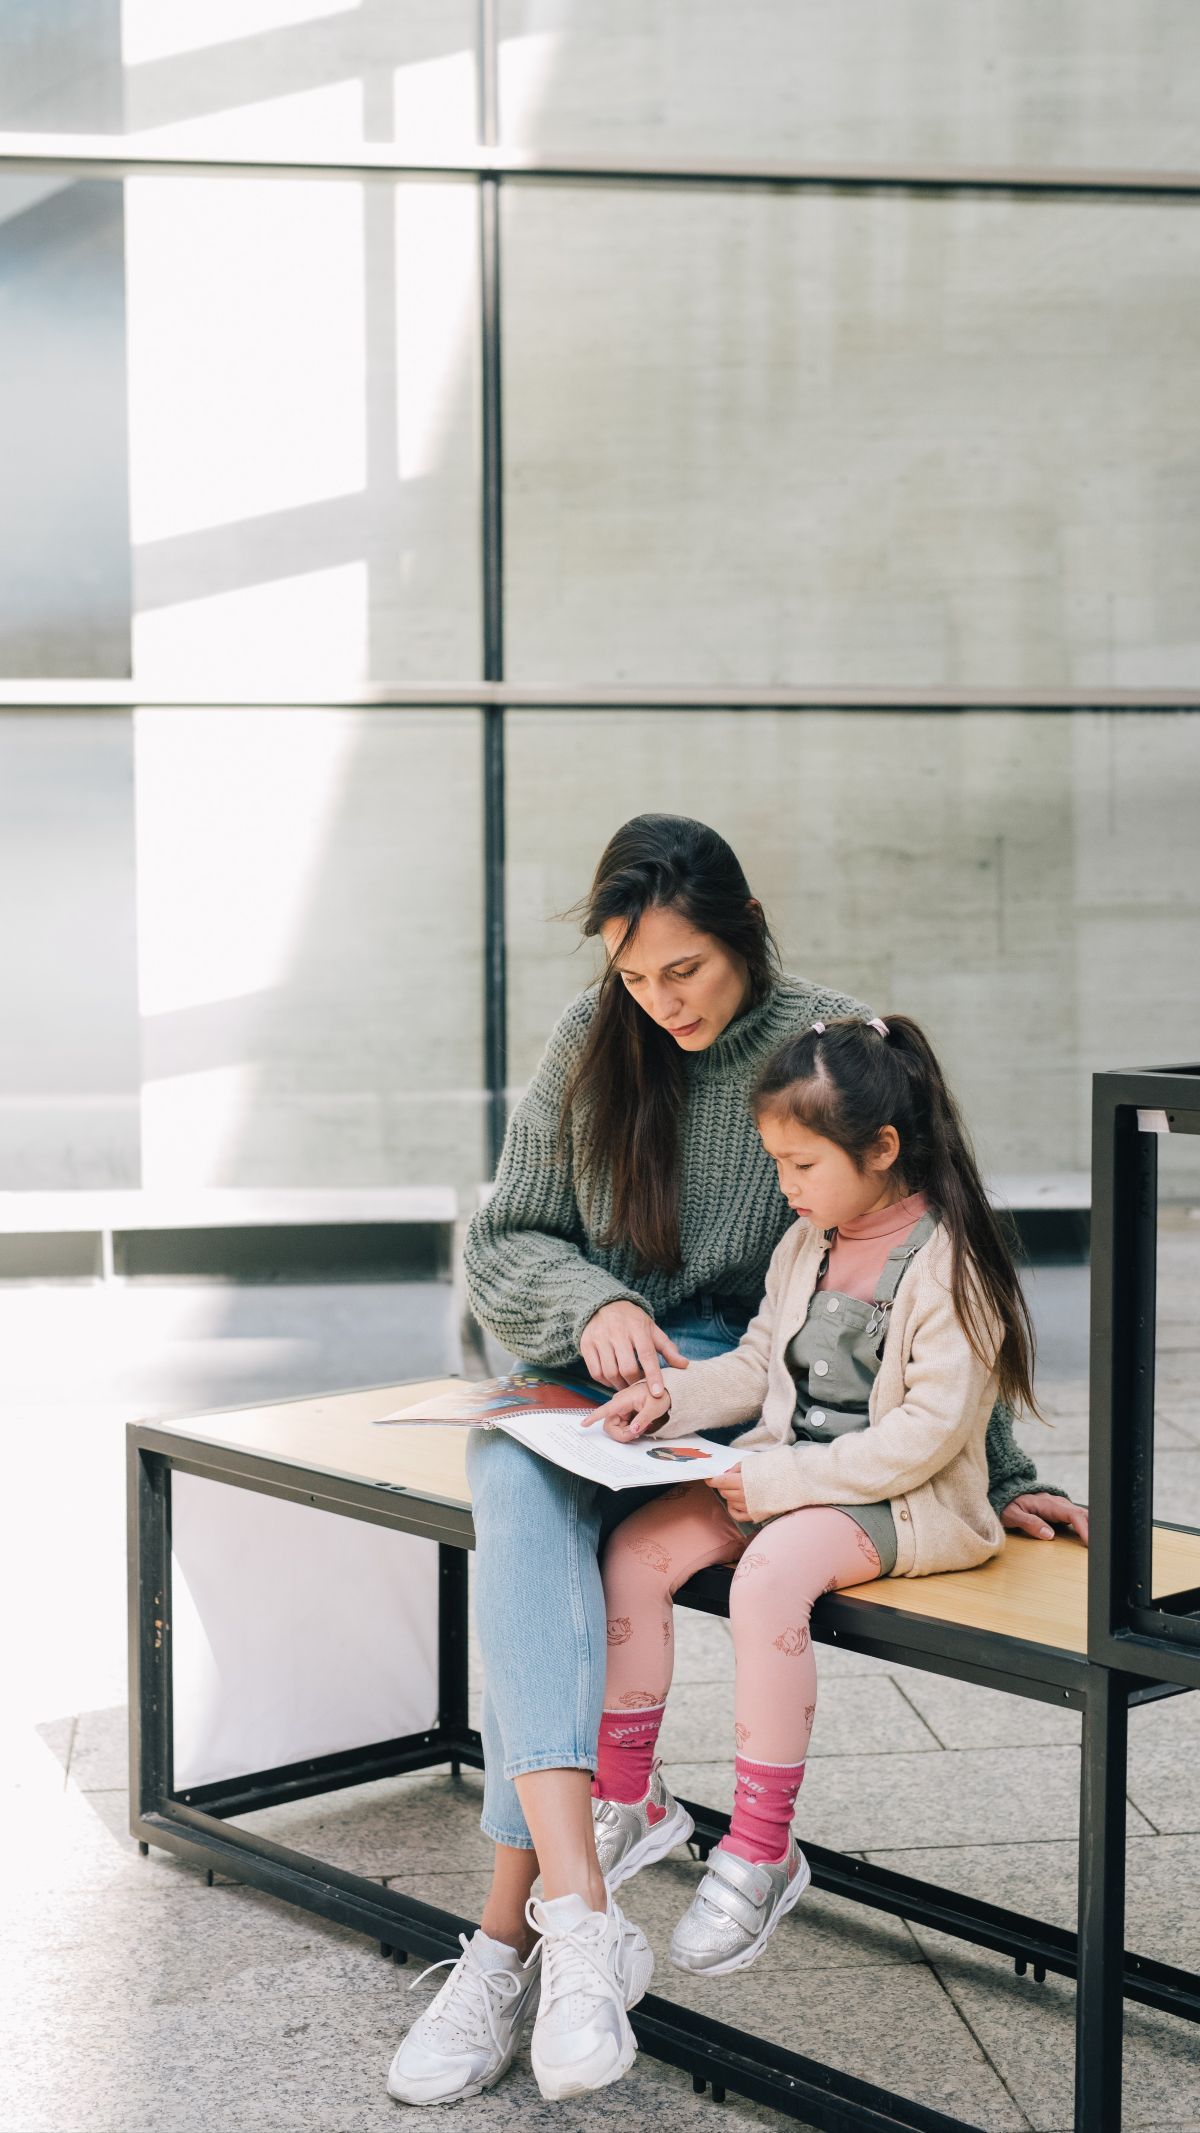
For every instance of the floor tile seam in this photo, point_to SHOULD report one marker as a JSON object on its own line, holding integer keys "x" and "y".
{"x": 1131, "y": 1802}
{"x": 898, "y": 1685}
{"x": 972, "y": 2032}
{"x": 70, "y": 1750}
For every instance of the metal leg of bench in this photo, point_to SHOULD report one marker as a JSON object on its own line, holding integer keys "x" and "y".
{"x": 148, "y": 1514}
{"x": 1099, "y": 2003}
{"x": 452, "y": 1644}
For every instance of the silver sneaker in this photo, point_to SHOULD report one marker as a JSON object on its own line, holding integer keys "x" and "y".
{"x": 629, "y": 1837}
{"x": 736, "y": 1909}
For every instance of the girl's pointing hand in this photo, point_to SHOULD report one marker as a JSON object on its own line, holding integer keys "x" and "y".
{"x": 633, "y": 1413}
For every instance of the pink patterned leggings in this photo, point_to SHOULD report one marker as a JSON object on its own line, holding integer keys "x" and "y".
{"x": 782, "y": 1569}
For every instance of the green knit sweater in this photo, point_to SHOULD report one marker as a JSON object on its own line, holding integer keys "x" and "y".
{"x": 536, "y": 1271}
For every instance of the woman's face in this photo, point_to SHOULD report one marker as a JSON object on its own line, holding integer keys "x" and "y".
{"x": 690, "y": 983}
{"x": 819, "y": 1180}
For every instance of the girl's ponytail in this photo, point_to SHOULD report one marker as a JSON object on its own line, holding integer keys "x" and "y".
{"x": 849, "y": 1079}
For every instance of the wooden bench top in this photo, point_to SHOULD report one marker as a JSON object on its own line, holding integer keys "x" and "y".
{"x": 1034, "y": 1590}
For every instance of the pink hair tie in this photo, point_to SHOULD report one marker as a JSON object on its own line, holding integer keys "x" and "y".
{"x": 818, "y": 1029}
{"x": 882, "y": 1027}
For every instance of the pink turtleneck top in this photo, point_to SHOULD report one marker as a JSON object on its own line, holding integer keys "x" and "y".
{"x": 860, "y": 1248}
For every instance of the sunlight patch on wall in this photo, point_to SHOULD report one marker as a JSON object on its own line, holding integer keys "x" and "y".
{"x": 164, "y": 29}
{"x": 247, "y": 349}
{"x": 309, "y": 630}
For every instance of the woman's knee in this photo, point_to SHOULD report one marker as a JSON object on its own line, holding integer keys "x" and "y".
{"x": 515, "y": 1491}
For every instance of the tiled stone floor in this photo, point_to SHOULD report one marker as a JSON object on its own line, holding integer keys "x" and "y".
{"x": 137, "y": 1998}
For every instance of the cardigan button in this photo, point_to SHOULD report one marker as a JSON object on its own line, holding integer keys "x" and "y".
{"x": 904, "y": 1516}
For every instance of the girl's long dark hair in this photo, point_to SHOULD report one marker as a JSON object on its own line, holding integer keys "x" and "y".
{"x": 625, "y": 1099}
{"x": 848, "y": 1082}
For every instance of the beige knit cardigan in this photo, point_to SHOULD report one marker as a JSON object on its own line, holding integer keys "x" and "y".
{"x": 924, "y": 1447}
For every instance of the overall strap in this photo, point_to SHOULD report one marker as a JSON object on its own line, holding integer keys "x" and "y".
{"x": 894, "y": 1267}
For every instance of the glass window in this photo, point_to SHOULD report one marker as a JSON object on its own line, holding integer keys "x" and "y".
{"x": 1025, "y": 884}
{"x": 858, "y": 441}
{"x": 1107, "y": 84}
{"x": 217, "y": 77}
{"x": 309, "y": 920}
{"x": 303, "y": 431}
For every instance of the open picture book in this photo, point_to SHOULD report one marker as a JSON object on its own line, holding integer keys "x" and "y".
{"x": 548, "y": 1414}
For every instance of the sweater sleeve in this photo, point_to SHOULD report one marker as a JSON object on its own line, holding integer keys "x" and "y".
{"x": 945, "y": 1381}
{"x": 1011, "y": 1472}
{"x": 528, "y": 1279}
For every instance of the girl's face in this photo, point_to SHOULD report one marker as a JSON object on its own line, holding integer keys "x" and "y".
{"x": 820, "y": 1181}
{"x": 690, "y": 983}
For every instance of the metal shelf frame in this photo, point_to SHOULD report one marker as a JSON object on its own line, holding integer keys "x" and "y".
{"x": 1128, "y": 1627}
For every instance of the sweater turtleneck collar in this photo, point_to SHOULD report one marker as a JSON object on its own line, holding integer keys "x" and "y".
{"x": 751, "y": 1036}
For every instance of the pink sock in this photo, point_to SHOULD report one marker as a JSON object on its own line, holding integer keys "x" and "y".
{"x": 625, "y": 1757}
{"x": 764, "y": 1795}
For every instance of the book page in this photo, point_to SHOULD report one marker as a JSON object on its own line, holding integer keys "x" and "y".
{"x": 597, "y": 1457}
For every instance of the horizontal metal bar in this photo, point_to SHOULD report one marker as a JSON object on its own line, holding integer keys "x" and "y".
{"x": 800, "y": 2088}
{"x": 797, "y": 2087}
{"x": 69, "y": 694}
{"x": 348, "y": 1899}
{"x": 115, "y": 156}
{"x": 252, "y": 1791}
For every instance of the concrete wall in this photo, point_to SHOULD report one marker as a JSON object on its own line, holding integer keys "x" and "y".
{"x": 70, "y": 1094}
{"x": 1024, "y": 884}
{"x": 887, "y": 442}
{"x": 64, "y": 509}
{"x": 1090, "y": 82}
{"x": 749, "y": 438}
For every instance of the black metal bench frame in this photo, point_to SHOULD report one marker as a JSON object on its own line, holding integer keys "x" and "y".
{"x": 195, "y": 1823}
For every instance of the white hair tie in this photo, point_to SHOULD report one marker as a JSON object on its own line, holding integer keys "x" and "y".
{"x": 882, "y": 1027}
{"x": 818, "y": 1029}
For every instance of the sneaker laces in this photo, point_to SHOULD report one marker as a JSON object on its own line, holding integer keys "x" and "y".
{"x": 571, "y": 1959}
{"x": 473, "y": 1992}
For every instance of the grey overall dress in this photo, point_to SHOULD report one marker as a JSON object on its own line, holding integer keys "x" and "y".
{"x": 835, "y": 1359}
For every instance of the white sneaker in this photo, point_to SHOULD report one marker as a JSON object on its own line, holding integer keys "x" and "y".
{"x": 467, "y": 2037}
{"x": 595, "y": 1965}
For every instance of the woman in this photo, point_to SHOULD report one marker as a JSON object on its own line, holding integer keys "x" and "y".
{"x": 633, "y": 1218}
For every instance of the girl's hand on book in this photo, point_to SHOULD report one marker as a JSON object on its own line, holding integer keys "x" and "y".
{"x": 621, "y": 1345}
{"x": 634, "y": 1413}
{"x": 732, "y": 1489}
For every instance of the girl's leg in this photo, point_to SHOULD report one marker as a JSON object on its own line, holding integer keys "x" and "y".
{"x": 785, "y": 1569}
{"x": 646, "y": 1560}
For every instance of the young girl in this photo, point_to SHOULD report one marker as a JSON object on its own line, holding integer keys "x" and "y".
{"x": 893, "y": 1315}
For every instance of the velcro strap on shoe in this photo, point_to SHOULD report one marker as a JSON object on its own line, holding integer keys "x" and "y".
{"x": 736, "y": 1888}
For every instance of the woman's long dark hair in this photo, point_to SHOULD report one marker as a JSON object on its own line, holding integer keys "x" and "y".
{"x": 625, "y": 1098}
{"x": 846, "y": 1083}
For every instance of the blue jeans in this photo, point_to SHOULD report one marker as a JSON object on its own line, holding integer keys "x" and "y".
{"x": 539, "y": 1603}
